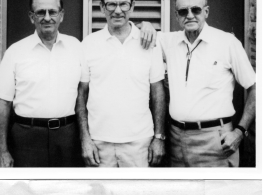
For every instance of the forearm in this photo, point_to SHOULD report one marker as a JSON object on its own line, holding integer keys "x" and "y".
{"x": 5, "y": 108}
{"x": 158, "y": 107}
{"x": 81, "y": 111}
{"x": 250, "y": 108}
{"x": 82, "y": 121}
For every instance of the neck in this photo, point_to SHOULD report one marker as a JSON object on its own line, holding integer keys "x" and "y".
{"x": 121, "y": 32}
{"x": 192, "y": 35}
{"x": 48, "y": 40}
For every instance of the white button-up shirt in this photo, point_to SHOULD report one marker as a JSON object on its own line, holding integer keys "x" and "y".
{"x": 119, "y": 77}
{"x": 215, "y": 64}
{"x": 42, "y": 83}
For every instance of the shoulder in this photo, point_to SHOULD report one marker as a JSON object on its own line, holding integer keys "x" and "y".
{"x": 170, "y": 35}
{"x": 23, "y": 43}
{"x": 70, "y": 39}
{"x": 94, "y": 37}
{"x": 169, "y": 38}
{"x": 222, "y": 36}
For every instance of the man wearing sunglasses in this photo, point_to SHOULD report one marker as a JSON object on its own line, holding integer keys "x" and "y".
{"x": 40, "y": 76}
{"x": 203, "y": 64}
{"x": 117, "y": 127}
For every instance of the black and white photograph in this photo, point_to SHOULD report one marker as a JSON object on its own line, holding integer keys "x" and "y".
{"x": 158, "y": 90}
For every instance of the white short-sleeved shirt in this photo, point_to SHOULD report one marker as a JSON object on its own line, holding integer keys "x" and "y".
{"x": 215, "y": 64}
{"x": 42, "y": 83}
{"x": 119, "y": 77}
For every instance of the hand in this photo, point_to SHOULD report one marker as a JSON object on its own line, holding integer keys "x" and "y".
{"x": 231, "y": 141}
{"x": 156, "y": 152}
{"x": 6, "y": 159}
{"x": 148, "y": 35}
{"x": 90, "y": 153}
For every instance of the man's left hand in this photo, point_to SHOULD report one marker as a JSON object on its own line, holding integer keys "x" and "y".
{"x": 231, "y": 141}
{"x": 156, "y": 152}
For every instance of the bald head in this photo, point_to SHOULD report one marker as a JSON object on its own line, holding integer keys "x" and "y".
{"x": 32, "y": 1}
{"x": 205, "y": 2}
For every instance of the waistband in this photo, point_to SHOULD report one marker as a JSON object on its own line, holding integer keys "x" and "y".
{"x": 200, "y": 125}
{"x": 51, "y": 123}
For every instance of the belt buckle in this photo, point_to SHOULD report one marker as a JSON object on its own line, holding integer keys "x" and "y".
{"x": 184, "y": 125}
{"x": 51, "y": 120}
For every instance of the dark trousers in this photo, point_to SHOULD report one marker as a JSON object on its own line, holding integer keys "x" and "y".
{"x": 42, "y": 147}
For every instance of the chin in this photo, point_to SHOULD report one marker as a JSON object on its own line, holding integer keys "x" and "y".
{"x": 191, "y": 28}
{"x": 117, "y": 25}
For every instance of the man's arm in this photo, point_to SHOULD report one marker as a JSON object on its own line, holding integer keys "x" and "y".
{"x": 89, "y": 150}
{"x": 156, "y": 149}
{"x": 5, "y": 158}
{"x": 233, "y": 139}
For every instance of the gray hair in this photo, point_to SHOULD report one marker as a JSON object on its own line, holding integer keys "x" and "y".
{"x": 206, "y": 2}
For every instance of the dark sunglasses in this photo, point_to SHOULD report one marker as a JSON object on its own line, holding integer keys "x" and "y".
{"x": 185, "y": 11}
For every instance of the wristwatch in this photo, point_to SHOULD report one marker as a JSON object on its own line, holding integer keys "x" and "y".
{"x": 242, "y": 129}
{"x": 160, "y": 136}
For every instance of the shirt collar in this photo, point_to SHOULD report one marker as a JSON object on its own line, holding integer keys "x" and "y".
{"x": 135, "y": 32}
{"x": 204, "y": 35}
{"x": 36, "y": 39}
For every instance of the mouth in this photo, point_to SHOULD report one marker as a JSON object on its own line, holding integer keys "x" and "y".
{"x": 117, "y": 17}
{"x": 190, "y": 22}
{"x": 47, "y": 25}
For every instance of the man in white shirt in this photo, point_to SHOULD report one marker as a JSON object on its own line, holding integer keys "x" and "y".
{"x": 117, "y": 127}
{"x": 39, "y": 75}
{"x": 203, "y": 64}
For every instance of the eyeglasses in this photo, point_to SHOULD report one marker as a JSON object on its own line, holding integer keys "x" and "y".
{"x": 42, "y": 13}
{"x": 124, "y": 6}
{"x": 185, "y": 11}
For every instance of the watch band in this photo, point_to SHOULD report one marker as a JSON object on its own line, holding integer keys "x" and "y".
{"x": 244, "y": 131}
{"x": 160, "y": 136}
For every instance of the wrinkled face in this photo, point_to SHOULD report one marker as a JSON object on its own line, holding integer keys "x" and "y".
{"x": 47, "y": 25}
{"x": 118, "y": 17}
{"x": 194, "y": 20}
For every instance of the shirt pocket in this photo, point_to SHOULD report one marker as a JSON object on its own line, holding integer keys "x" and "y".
{"x": 31, "y": 71}
{"x": 220, "y": 73}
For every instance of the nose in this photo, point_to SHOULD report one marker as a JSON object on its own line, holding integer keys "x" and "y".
{"x": 118, "y": 9}
{"x": 47, "y": 16}
{"x": 190, "y": 14}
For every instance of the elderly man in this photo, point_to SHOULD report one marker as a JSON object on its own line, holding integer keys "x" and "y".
{"x": 203, "y": 64}
{"x": 113, "y": 101}
{"x": 40, "y": 76}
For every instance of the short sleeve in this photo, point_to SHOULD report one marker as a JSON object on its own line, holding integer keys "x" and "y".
{"x": 241, "y": 67}
{"x": 7, "y": 76}
{"x": 85, "y": 73}
{"x": 157, "y": 72}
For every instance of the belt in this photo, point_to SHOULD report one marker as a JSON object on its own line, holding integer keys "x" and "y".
{"x": 200, "y": 125}
{"x": 51, "y": 123}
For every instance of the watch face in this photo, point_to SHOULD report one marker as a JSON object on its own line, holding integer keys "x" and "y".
{"x": 160, "y": 136}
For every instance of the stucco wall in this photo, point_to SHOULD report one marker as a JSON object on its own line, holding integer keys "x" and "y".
{"x": 252, "y": 32}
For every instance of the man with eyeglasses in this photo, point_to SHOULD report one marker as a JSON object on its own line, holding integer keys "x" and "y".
{"x": 203, "y": 64}
{"x": 117, "y": 127}
{"x": 39, "y": 75}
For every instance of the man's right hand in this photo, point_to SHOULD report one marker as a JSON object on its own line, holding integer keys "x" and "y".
{"x": 148, "y": 35}
{"x": 90, "y": 153}
{"x": 6, "y": 159}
